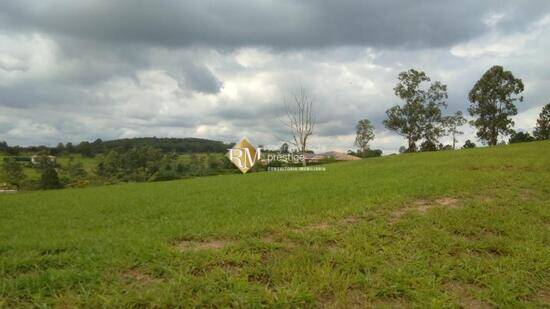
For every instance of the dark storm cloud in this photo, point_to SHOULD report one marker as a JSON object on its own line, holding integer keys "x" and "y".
{"x": 280, "y": 24}
{"x": 201, "y": 79}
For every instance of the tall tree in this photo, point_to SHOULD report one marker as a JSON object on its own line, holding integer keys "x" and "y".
{"x": 60, "y": 148}
{"x": 300, "y": 120}
{"x": 420, "y": 116}
{"x": 3, "y": 146}
{"x": 542, "y": 130}
{"x": 453, "y": 123}
{"x": 492, "y": 102}
{"x": 365, "y": 134}
{"x": 12, "y": 172}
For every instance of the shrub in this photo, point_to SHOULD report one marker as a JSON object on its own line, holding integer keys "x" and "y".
{"x": 521, "y": 137}
{"x": 428, "y": 146}
{"x": 12, "y": 172}
{"x": 49, "y": 179}
{"x": 469, "y": 144}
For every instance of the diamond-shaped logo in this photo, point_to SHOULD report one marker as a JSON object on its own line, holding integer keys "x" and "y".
{"x": 244, "y": 155}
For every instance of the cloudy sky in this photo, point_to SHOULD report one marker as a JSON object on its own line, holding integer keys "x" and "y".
{"x": 81, "y": 70}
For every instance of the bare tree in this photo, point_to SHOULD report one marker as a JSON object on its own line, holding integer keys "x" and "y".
{"x": 300, "y": 120}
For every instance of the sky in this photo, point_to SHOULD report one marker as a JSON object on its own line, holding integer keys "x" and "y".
{"x": 88, "y": 69}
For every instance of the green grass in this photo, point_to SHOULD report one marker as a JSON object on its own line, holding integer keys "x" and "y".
{"x": 459, "y": 228}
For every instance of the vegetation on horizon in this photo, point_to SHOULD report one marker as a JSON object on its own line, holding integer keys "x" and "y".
{"x": 420, "y": 120}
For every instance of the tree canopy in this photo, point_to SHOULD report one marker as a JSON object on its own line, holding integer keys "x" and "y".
{"x": 542, "y": 130}
{"x": 492, "y": 101}
{"x": 364, "y": 134}
{"x": 420, "y": 117}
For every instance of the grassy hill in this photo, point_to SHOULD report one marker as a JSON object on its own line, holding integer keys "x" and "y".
{"x": 458, "y": 228}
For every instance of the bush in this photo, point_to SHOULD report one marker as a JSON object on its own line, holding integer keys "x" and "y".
{"x": 12, "y": 172}
{"x": 521, "y": 137}
{"x": 469, "y": 144}
{"x": 370, "y": 153}
{"x": 428, "y": 146}
{"x": 49, "y": 179}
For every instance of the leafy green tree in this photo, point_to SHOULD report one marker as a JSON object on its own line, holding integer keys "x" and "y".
{"x": 12, "y": 172}
{"x": 428, "y": 145}
{"x": 452, "y": 123}
{"x": 85, "y": 149}
{"x": 492, "y": 102}
{"x": 542, "y": 130}
{"x": 215, "y": 164}
{"x": 136, "y": 164}
{"x": 420, "y": 116}
{"x": 520, "y": 137}
{"x": 50, "y": 179}
{"x": 75, "y": 170}
{"x": 60, "y": 148}
{"x": 3, "y": 146}
{"x": 469, "y": 144}
{"x": 370, "y": 153}
{"x": 69, "y": 148}
{"x": 364, "y": 134}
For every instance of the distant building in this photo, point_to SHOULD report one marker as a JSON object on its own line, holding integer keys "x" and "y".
{"x": 338, "y": 156}
{"x": 36, "y": 159}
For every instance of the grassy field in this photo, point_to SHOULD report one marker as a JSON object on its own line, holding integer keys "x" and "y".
{"x": 466, "y": 228}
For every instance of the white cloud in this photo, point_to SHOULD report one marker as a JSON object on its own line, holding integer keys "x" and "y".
{"x": 25, "y": 57}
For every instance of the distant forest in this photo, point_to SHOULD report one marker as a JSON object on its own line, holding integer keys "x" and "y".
{"x": 90, "y": 149}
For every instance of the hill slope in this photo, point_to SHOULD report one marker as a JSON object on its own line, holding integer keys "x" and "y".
{"x": 468, "y": 228}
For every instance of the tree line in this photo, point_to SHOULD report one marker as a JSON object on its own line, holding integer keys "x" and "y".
{"x": 137, "y": 164}
{"x": 91, "y": 149}
{"x": 420, "y": 119}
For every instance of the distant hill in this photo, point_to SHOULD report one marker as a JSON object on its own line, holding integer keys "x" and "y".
{"x": 179, "y": 145}
{"x": 165, "y": 144}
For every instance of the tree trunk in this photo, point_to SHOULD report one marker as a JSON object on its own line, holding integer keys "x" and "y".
{"x": 454, "y": 141}
{"x": 412, "y": 145}
{"x": 494, "y": 137}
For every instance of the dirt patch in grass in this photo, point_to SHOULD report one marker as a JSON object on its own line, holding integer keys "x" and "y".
{"x": 526, "y": 194}
{"x": 349, "y": 221}
{"x": 543, "y": 297}
{"x": 137, "y": 276}
{"x": 464, "y": 297}
{"x": 191, "y": 245}
{"x": 321, "y": 226}
{"x": 278, "y": 240}
{"x": 424, "y": 205}
{"x": 448, "y": 202}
